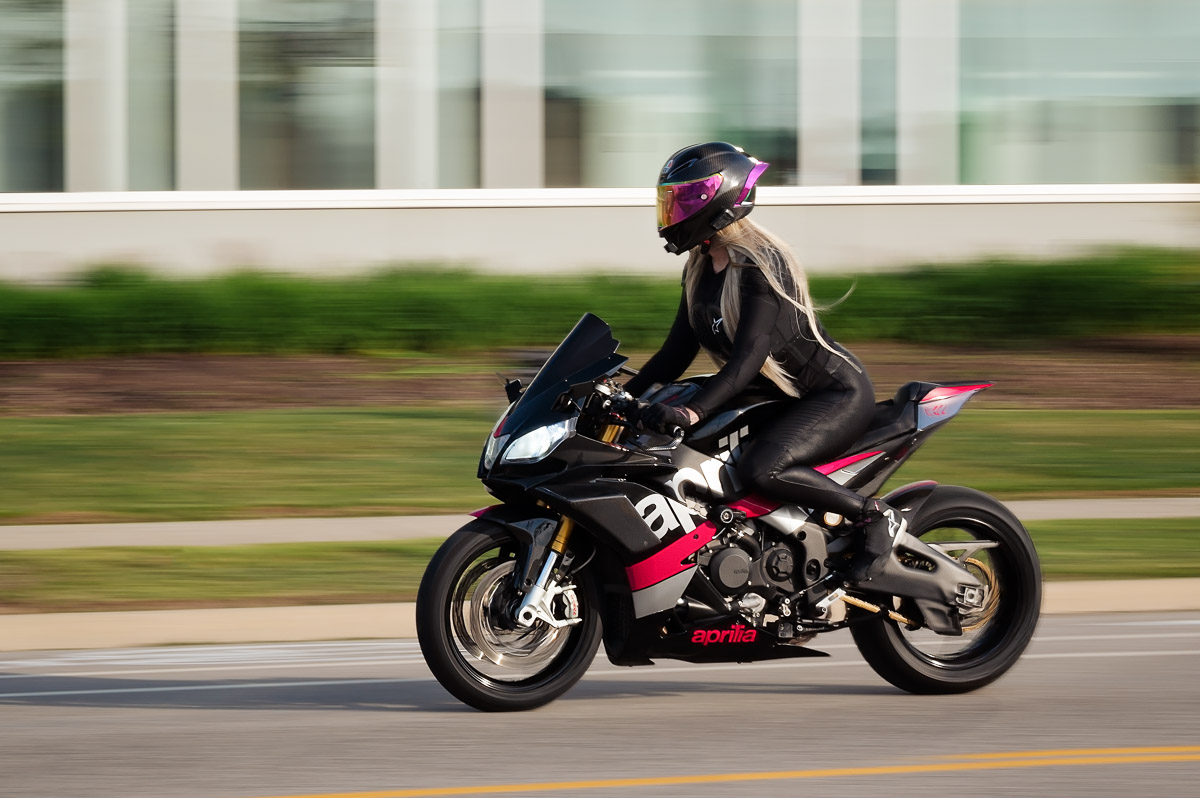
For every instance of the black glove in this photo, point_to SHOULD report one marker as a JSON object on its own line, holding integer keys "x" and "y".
{"x": 664, "y": 418}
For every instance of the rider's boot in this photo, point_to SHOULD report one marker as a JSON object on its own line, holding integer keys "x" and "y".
{"x": 881, "y": 526}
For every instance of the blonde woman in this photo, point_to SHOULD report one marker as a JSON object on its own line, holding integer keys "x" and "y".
{"x": 746, "y": 302}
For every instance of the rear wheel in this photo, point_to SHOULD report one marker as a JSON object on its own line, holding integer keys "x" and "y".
{"x": 990, "y": 542}
{"x": 465, "y": 610}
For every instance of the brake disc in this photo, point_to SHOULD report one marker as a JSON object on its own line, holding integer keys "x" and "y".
{"x": 489, "y": 633}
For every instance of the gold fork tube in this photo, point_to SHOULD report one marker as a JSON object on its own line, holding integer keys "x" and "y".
{"x": 565, "y": 527}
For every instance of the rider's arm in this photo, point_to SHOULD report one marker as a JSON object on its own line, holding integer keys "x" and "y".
{"x": 760, "y": 308}
{"x": 676, "y": 354}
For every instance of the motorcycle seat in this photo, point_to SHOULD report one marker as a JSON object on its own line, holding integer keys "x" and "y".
{"x": 894, "y": 417}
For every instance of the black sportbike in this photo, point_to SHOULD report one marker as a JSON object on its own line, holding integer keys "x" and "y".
{"x": 606, "y": 531}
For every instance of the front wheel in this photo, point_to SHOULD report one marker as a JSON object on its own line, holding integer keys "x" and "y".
{"x": 465, "y": 626}
{"x": 990, "y": 542}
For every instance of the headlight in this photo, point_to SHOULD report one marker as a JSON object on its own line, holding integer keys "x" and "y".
{"x": 495, "y": 443}
{"x": 536, "y": 444}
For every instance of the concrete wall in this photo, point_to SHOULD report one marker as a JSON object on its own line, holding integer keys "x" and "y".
{"x": 46, "y": 237}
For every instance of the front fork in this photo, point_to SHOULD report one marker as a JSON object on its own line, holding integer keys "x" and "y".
{"x": 538, "y": 601}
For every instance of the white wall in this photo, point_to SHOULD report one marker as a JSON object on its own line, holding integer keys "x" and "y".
{"x": 49, "y": 236}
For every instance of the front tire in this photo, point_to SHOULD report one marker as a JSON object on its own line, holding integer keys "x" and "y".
{"x": 464, "y": 626}
{"x": 996, "y": 635}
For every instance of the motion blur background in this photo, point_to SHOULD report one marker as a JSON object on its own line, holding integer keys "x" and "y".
{"x": 109, "y": 95}
{"x": 506, "y": 97}
{"x": 262, "y": 257}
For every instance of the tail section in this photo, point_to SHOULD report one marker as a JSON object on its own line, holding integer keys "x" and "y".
{"x": 899, "y": 428}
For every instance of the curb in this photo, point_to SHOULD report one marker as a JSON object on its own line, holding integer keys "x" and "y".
{"x": 81, "y": 630}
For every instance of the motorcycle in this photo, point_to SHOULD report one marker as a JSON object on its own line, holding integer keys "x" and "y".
{"x": 603, "y": 530}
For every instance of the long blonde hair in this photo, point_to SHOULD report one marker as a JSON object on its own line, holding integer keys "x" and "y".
{"x": 752, "y": 246}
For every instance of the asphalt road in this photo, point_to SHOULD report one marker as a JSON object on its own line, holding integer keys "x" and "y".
{"x": 1102, "y": 705}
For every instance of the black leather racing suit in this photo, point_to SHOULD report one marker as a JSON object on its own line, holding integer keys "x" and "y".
{"x": 836, "y": 398}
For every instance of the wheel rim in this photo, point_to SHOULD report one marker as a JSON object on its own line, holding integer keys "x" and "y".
{"x": 985, "y": 628}
{"x": 491, "y": 648}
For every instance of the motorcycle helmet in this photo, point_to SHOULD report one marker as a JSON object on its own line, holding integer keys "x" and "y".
{"x": 703, "y": 188}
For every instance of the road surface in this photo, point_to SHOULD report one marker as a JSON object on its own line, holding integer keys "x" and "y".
{"x": 1102, "y": 705}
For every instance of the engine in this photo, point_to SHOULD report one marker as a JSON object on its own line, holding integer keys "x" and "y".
{"x": 740, "y": 560}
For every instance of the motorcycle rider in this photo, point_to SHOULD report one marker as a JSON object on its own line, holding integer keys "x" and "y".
{"x": 746, "y": 301}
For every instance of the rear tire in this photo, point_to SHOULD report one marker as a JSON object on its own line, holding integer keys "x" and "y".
{"x": 996, "y": 636}
{"x": 464, "y": 609}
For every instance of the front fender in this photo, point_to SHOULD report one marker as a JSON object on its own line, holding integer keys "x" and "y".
{"x": 533, "y": 527}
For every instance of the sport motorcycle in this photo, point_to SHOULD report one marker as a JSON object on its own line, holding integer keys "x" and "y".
{"x": 605, "y": 531}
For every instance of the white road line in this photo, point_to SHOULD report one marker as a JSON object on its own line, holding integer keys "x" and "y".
{"x": 1108, "y": 654}
{"x": 1151, "y": 636}
{"x": 222, "y": 668}
{"x": 594, "y": 672}
{"x": 1188, "y": 622}
{"x": 187, "y": 653}
{"x": 198, "y": 687}
{"x": 201, "y": 664}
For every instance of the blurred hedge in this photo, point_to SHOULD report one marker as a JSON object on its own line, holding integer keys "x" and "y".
{"x": 114, "y": 310}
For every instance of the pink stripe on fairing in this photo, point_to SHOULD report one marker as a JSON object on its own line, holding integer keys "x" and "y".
{"x": 751, "y": 179}
{"x": 837, "y": 465}
{"x": 946, "y": 393}
{"x": 482, "y": 511}
{"x": 754, "y": 506}
{"x": 670, "y": 561}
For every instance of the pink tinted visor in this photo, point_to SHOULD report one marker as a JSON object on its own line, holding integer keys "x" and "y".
{"x": 679, "y": 201}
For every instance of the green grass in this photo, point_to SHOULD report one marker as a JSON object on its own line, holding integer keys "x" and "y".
{"x": 1040, "y": 453}
{"x": 442, "y": 308}
{"x": 242, "y": 464}
{"x": 145, "y": 577}
{"x": 411, "y": 460}
{"x": 1153, "y": 548}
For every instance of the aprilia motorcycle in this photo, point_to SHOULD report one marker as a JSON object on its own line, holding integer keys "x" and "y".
{"x": 606, "y": 531}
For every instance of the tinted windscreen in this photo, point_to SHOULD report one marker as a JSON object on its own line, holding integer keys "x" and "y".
{"x": 589, "y": 344}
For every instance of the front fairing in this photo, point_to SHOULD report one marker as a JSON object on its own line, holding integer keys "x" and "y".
{"x": 585, "y": 355}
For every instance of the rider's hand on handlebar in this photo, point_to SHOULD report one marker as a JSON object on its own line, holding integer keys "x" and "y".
{"x": 666, "y": 418}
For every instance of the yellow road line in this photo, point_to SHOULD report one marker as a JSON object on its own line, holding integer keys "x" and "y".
{"x": 1016, "y": 760}
{"x": 1170, "y": 749}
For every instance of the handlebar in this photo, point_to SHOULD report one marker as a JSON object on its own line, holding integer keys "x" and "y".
{"x": 622, "y": 404}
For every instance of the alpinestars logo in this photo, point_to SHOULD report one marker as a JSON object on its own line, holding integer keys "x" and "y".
{"x": 717, "y": 325}
{"x": 736, "y": 634}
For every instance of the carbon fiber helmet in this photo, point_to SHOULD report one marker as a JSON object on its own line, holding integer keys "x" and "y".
{"x": 703, "y": 188}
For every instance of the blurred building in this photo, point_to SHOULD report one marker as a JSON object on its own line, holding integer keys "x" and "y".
{"x": 100, "y": 95}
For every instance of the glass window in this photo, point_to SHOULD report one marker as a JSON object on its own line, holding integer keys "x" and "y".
{"x": 630, "y": 82}
{"x": 307, "y": 94}
{"x": 1080, "y": 91}
{"x": 151, "y": 94}
{"x": 459, "y": 69}
{"x": 31, "y": 95}
{"x": 878, "y": 92}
